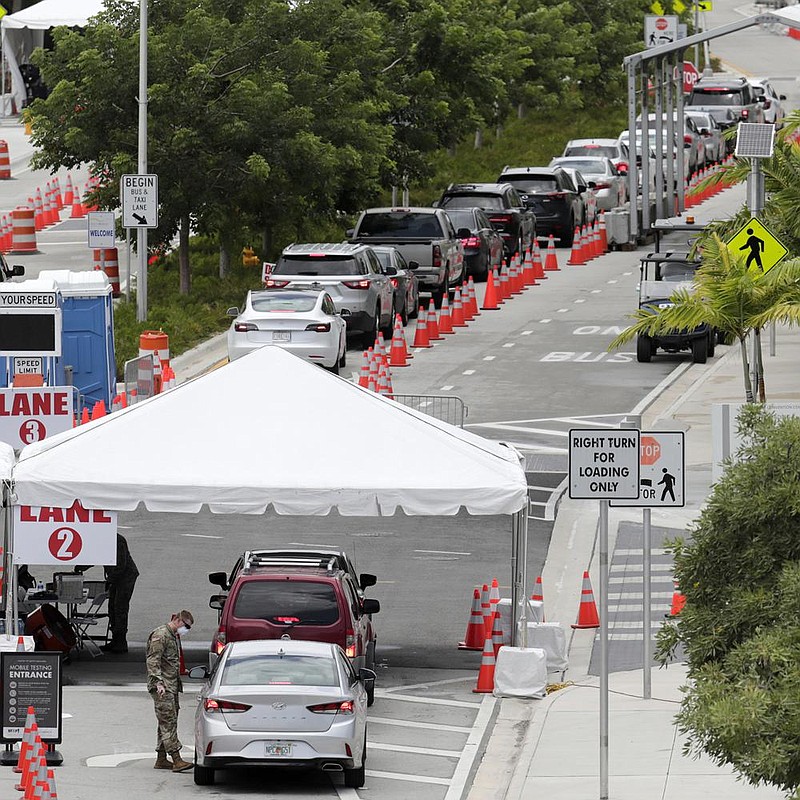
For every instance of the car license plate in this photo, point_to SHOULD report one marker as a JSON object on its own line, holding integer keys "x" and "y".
{"x": 281, "y": 336}
{"x": 279, "y": 749}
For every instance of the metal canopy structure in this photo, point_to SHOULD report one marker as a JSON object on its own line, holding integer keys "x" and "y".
{"x": 660, "y": 70}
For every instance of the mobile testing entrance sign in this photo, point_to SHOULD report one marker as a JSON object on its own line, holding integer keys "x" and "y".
{"x": 603, "y": 464}
{"x": 139, "y": 196}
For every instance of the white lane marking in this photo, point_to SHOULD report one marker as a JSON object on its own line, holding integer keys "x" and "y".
{"x": 544, "y": 321}
{"x": 596, "y": 291}
{"x": 468, "y": 372}
{"x": 395, "y": 776}
{"x": 346, "y": 794}
{"x": 589, "y": 420}
{"x": 579, "y": 421}
{"x": 470, "y": 752}
{"x": 626, "y": 577}
{"x": 313, "y": 544}
{"x": 531, "y": 447}
{"x": 562, "y": 311}
{"x": 386, "y": 582}
{"x": 410, "y": 687}
{"x": 124, "y": 527}
{"x": 627, "y": 273}
{"x": 445, "y": 388}
{"x": 407, "y": 723}
{"x": 611, "y": 281}
{"x": 201, "y": 536}
{"x": 509, "y": 344}
{"x": 634, "y": 567}
{"x": 580, "y": 300}
{"x": 665, "y": 595}
{"x": 501, "y": 426}
{"x": 420, "y": 751}
{"x": 444, "y": 552}
{"x": 489, "y": 358}
{"x": 656, "y": 551}
{"x": 526, "y": 333}
{"x": 434, "y": 701}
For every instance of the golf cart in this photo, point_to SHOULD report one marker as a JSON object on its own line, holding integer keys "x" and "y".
{"x": 661, "y": 275}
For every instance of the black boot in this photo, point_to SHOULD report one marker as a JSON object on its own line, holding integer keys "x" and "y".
{"x": 115, "y": 646}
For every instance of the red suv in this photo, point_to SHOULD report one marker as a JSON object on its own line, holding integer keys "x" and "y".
{"x": 319, "y": 603}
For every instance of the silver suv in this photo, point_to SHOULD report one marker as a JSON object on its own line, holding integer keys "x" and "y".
{"x": 351, "y": 274}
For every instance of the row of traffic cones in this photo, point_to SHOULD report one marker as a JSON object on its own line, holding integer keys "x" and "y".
{"x": 516, "y": 275}
{"x": 707, "y": 182}
{"x": 37, "y": 782}
{"x": 589, "y": 241}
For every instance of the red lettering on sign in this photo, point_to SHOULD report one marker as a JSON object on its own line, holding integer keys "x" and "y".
{"x": 47, "y": 514}
{"x": 32, "y": 430}
{"x": 650, "y": 450}
{"x": 65, "y": 544}
{"x": 41, "y": 404}
{"x": 77, "y": 513}
{"x": 21, "y": 406}
{"x": 61, "y": 404}
{"x": 26, "y": 514}
{"x": 100, "y": 516}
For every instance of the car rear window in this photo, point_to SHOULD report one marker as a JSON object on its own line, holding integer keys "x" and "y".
{"x": 461, "y": 219}
{"x": 280, "y": 670}
{"x": 403, "y": 224}
{"x": 532, "y": 184}
{"x": 290, "y": 603}
{"x": 488, "y": 202}
{"x": 716, "y": 97}
{"x": 592, "y": 150}
{"x": 678, "y": 272}
{"x": 276, "y": 302}
{"x": 318, "y": 265}
{"x": 588, "y": 167}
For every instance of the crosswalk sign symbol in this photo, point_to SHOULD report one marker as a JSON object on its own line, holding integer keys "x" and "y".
{"x": 705, "y": 5}
{"x": 762, "y": 248}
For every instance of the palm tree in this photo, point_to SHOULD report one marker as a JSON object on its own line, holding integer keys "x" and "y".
{"x": 730, "y": 299}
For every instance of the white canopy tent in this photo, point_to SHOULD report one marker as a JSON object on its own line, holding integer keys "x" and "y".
{"x": 270, "y": 429}
{"x": 24, "y": 31}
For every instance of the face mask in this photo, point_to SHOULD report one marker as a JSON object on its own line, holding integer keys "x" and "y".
{"x": 182, "y": 631}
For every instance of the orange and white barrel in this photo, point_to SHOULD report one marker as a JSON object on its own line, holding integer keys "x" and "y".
{"x": 5, "y": 161}
{"x": 108, "y": 260}
{"x": 151, "y": 342}
{"x": 23, "y": 233}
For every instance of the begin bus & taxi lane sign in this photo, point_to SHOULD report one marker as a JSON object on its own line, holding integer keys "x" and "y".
{"x": 604, "y": 464}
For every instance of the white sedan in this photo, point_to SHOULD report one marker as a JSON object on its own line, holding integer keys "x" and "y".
{"x": 611, "y": 189}
{"x": 304, "y": 322}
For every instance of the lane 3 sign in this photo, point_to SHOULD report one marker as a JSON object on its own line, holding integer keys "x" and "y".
{"x": 30, "y": 415}
{"x": 64, "y": 536}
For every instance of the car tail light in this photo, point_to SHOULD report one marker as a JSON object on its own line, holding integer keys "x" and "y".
{"x": 557, "y": 195}
{"x": 271, "y": 283}
{"x": 395, "y": 282}
{"x": 687, "y": 139}
{"x": 348, "y": 750}
{"x": 437, "y": 256}
{"x": 745, "y": 113}
{"x": 220, "y": 640}
{"x": 339, "y": 707}
{"x": 602, "y": 186}
{"x": 357, "y": 284}
{"x": 623, "y": 165}
{"x": 506, "y": 218}
{"x": 319, "y": 327}
{"x": 350, "y": 644}
{"x": 473, "y": 241}
{"x": 767, "y": 104}
{"x": 212, "y": 705}
{"x": 244, "y": 327}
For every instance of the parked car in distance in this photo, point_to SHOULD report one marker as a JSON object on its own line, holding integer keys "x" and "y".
{"x": 651, "y": 133}
{"x": 711, "y": 134}
{"x": 610, "y": 186}
{"x": 607, "y": 148}
{"x": 424, "y": 235}
{"x": 587, "y": 193}
{"x": 772, "y": 102}
{"x": 728, "y": 100}
{"x": 693, "y": 145}
{"x": 283, "y": 703}
{"x": 305, "y": 323}
{"x": 350, "y": 273}
{"x": 553, "y": 198}
{"x": 510, "y": 217}
{"x": 271, "y": 598}
{"x": 483, "y": 248}
{"x": 404, "y": 281}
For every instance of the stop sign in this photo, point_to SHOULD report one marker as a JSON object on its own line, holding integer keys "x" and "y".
{"x": 649, "y": 450}
{"x": 690, "y": 76}
{"x": 662, "y": 24}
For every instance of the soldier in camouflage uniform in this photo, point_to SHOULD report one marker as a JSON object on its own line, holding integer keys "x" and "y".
{"x": 164, "y": 686}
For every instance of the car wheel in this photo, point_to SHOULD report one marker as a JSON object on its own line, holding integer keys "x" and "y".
{"x": 404, "y": 313}
{"x": 438, "y": 295}
{"x": 414, "y": 313}
{"x": 343, "y": 359}
{"x": 354, "y": 778}
{"x": 335, "y": 368}
{"x": 568, "y": 238}
{"x": 712, "y": 342}
{"x": 644, "y": 349}
{"x": 700, "y": 349}
{"x": 388, "y": 329}
{"x": 203, "y": 776}
{"x": 369, "y": 336}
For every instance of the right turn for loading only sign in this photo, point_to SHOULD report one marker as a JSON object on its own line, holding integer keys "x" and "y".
{"x": 661, "y": 468}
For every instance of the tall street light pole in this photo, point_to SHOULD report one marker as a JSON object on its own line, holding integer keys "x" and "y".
{"x": 141, "y": 233}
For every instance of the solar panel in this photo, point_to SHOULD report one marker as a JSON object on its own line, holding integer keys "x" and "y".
{"x": 755, "y": 140}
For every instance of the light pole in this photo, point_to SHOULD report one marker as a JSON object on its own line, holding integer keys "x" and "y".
{"x": 141, "y": 232}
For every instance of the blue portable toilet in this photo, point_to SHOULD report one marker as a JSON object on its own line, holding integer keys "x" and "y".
{"x": 87, "y": 337}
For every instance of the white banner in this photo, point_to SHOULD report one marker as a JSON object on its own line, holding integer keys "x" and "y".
{"x": 64, "y": 536}
{"x": 32, "y": 414}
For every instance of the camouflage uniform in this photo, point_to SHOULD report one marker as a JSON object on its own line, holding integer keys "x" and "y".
{"x": 163, "y": 666}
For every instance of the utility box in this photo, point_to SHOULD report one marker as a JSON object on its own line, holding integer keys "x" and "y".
{"x": 87, "y": 334}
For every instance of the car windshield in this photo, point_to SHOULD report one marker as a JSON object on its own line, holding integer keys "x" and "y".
{"x": 587, "y": 167}
{"x": 402, "y": 224}
{"x": 532, "y": 184}
{"x": 279, "y": 670}
{"x": 275, "y": 302}
{"x": 461, "y": 219}
{"x": 317, "y": 265}
{"x": 716, "y": 97}
{"x": 488, "y": 202}
{"x": 592, "y": 150}
{"x": 287, "y": 603}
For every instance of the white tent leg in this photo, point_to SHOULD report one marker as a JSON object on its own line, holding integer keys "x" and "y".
{"x": 519, "y": 578}
{"x": 10, "y": 573}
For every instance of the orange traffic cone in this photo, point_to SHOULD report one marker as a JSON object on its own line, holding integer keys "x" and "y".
{"x": 603, "y": 232}
{"x": 29, "y": 765}
{"x": 38, "y": 211}
{"x": 486, "y": 673}
{"x": 538, "y": 268}
{"x": 551, "y": 260}
{"x": 397, "y": 354}
{"x": 99, "y": 409}
{"x": 494, "y": 595}
{"x": 433, "y": 325}
{"x": 678, "y": 601}
{"x": 39, "y": 784}
{"x": 473, "y": 640}
{"x": 374, "y": 368}
{"x": 505, "y": 289}
{"x": 421, "y": 332}
{"x": 20, "y": 644}
{"x": 379, "y": 348}
{"x": 587, "y": 611}
{"x": 486, "y": 611}
{"x": 538, "y": 595}
{"x": 26, "y": 745}
{"x": 51, "y": 785}
{"x": 576, "y": 254}
{"x": 497, "y": 632}
{"x": 514, "y": 275}
{"x": 586, "y": 246}
{"x": 458, "y": 311}
{"x": 69, "y": 191}
{"x": 85, "y": 415}
{"x": 490, "y": 294}
{"x": 473, "y": 298}
{"x": 77, "y": 210}
{"x": 363, "y": 377}
{"x": 445, "y": 319}
{"x": 466, "y": 301}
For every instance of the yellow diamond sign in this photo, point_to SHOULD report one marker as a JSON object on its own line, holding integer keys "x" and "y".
{"x": 678, "y": 7}
{"x": 705, "y": 5}
{"x": 762, "y": 248}
{"x": 657, "y": 8}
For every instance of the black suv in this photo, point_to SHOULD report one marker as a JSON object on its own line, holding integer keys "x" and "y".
{"x": 504, "y": 207}
{"x": 728, "y": 100}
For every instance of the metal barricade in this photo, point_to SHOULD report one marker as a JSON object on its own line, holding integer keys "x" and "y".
{"x": 447, "y": 408}
{"x": 138, "y": 374}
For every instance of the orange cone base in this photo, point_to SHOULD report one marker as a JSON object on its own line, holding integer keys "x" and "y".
{"x": 581, "y": 627}
{"x": 463, "y": 646}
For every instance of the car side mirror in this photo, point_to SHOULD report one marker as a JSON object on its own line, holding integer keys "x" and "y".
{"x": 366, "y": 580}
{"x": 463, "y": 233}
{"x": 350, "y": 232}
{"x": 218, "y": 579}
{"x": 592, "y": 184}
{"x": 217, "y": 601}
{"x": 232, "y": 312}
{"x": 781, "y": 96}
{"x": 413, "y": 264}
{"x": 370, "y": 606}
{"x": 582, "y": 188}
{"x": 705, "y": 132}
{"x": 367, "y": 677}
{"x": 199, "y": 673}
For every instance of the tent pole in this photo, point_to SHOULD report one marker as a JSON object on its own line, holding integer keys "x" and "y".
{"x": 519, "y": 567}
{"x": 10, "y": 587}
{"x": 514, "y": 585}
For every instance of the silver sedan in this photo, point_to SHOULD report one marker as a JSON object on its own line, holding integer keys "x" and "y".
{"x": 610, "y": 185}
{"x": 282, "y": 702}
{"x": 305, "y": 322}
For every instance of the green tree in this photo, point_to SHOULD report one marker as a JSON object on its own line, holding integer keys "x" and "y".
{"x": 740, "y": 627}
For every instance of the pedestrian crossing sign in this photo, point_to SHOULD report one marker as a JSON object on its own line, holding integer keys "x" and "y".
{"x": 661, "y": 471}
{"x": 762, "y": 249}
{"x": 704, "y": 5}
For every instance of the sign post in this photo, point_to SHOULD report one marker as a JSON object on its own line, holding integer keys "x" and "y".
{"x": 603, "y": 465}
